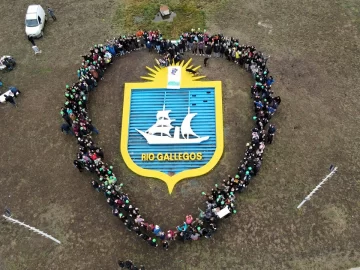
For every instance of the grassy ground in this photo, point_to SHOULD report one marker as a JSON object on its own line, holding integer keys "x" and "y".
{"x": 131, "y": 16}
{"x": 314, "y": 48}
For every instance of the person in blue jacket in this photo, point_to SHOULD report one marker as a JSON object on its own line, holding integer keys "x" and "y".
{"x": 271, "y": 133}
{"x": 270, "y": 81}
{"x": 14, "y": 90}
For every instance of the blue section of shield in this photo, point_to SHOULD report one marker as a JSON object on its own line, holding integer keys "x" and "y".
{"x": 145, "y": 103}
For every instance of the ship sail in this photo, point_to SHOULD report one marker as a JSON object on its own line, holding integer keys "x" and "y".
{"x": 186, "y": 126}
{"x": 163, "y": 114}
{"x": 164, "y": 123}
{"x": 162, "y": 130}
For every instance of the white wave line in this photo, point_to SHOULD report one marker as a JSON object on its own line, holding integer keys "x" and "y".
{"x": 307, "y": 198}
{"x": 31, "y": 228}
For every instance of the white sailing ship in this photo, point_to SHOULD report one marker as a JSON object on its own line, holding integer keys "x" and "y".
{"x": 159, "y": 133}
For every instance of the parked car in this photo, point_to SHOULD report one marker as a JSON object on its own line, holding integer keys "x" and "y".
{"x": 35, "y": 21}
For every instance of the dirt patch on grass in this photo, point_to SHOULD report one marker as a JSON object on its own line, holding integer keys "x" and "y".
{"x": 336, "y": 218}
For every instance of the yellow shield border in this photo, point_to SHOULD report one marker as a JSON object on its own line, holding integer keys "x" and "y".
{"x": 187, "y": 81}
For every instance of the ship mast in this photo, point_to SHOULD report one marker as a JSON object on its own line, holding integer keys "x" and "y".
{"x": 186, "y": 129}
{"x": 163, "y": 122}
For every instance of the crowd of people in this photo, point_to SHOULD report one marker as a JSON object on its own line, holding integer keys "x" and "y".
{"x": 220, "y": 201}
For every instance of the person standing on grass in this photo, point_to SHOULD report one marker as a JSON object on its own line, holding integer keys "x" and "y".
{"x": 205, "y": 61}
{"x": 189, "y": 219}
{"x": 201, "y": 48}
{"x": 67, "y": 129}
{"x": 194, "y": 47}
{"x": 129, "y": 264}
{"x": 217, "y": 49}
{"x": 92, "y": 128}
{"x": 65, "y": 116}
{"x": 79, "y": 165}
{"x": 165, "y": 245}
{"x": 270, "y": 81}
{"x": 271, "y": 133}
{"x": 121, "y": 264}
{"x": 222, "y": 50}
{"x": 208, "y": 49}
{"x": 51, "y": 13}
{"x": 31, "y": 39}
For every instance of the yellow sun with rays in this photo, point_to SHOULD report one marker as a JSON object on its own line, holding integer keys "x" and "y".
{"x": 159, "y": 72}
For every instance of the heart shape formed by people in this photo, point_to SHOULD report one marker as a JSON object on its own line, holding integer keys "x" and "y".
{"x": 220, "y": 202}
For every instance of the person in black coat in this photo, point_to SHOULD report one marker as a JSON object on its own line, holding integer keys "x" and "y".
{"x": 208, "y": 50}
{"x": 31, "y": 39}
{"x": 205, "y": 61}
{"x": 11, "y": 100}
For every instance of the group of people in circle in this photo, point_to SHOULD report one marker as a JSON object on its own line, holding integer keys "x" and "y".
{"x": 220, "y": 201}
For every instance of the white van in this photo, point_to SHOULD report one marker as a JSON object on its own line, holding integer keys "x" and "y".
{"x": 35, "y": 21}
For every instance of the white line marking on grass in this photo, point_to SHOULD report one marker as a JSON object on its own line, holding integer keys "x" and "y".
{"x": 31, "y": 228}
{"x": 307, "y": 198}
